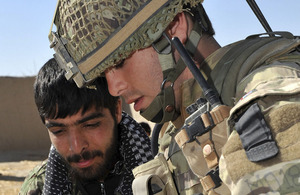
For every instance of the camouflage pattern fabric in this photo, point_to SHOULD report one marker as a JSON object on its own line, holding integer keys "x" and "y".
{"x": 266, "y": 71}
{"x": 186, "y": 180}
{"x": 34, "y": 182}
{"x": 272, "y": 80}
{"x": 105, "y": 32}
{"x": 282, "y": 112}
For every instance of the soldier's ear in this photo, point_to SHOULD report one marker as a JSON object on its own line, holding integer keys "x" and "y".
{"x": 119, "y": 110}
{"x": 179, "y": 27}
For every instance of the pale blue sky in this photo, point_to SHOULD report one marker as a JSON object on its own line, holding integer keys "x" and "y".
{"x": 24, "y": 45}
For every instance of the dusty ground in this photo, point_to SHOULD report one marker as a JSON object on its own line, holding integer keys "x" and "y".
{"x": 14, "y": 167}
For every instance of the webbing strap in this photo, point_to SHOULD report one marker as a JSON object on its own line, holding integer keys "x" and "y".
{"x": 210, "y": 154}
{"x": 211, "y": 180}
{"x": 209, "y": 119}
{"x": 218, "y": 115}
{"x": 162, "y": 108}
{"x": 161, "y": 101}
{"x": 207, "y": 183}
{"x": 166, "y": 61}
{"x": 191, "y": 46}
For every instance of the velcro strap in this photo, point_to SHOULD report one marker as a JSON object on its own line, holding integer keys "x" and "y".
{"x": 207, "y": 120}
{"x": 182, "y": 138}
{"x": 211, "y": 180}
{"x": 255, "y": 135}
{"x": 218, "y": 115}
{"x": 207, "y": 183}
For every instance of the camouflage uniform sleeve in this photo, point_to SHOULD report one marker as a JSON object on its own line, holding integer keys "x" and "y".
{"x": 276, "y": 90}
{"x": 34, "y": 182}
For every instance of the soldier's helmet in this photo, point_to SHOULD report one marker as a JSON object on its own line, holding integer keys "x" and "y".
{"x": 93, "y": 35}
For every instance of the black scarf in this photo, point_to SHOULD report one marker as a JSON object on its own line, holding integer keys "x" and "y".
{"x": 134, "y": 148}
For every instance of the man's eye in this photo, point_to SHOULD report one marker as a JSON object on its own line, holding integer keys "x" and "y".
{"x": 57, "y": 132}
{"x": 92, "y": 125}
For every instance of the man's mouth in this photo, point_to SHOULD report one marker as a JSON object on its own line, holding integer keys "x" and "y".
{"x": 84, "y": 163}
{"x": 85, "y": 160}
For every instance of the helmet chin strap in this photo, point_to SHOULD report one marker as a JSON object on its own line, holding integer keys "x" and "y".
{"x": 162, "y": 108}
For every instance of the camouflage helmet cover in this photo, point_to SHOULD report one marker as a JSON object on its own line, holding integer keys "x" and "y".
{"x": 100, "y": 33}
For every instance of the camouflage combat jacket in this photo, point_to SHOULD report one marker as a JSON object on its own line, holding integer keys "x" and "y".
{"x": 260, "y": 71}
{"x": 265, "y": 93}
{"x": 34, "y": 182}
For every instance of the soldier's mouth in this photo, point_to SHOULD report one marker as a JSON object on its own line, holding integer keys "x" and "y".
{"x": 138, "y": 103}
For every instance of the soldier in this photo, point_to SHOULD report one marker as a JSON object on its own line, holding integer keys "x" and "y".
{"x": 130, "y": 43}
{"x": 94, "y": 145}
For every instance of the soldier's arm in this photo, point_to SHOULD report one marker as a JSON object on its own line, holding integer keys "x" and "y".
{"x": 270, "y": 95}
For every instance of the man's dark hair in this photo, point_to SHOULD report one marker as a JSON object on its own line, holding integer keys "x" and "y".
{"x": 56, "y": 97}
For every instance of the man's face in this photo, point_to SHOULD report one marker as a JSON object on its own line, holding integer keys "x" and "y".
{"x": 137, "y": 79}
{"x": 87, "y": 142}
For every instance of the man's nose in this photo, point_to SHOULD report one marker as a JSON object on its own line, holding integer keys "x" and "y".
{"x": 78, "y": 143}
{"x": 116, "y": 82}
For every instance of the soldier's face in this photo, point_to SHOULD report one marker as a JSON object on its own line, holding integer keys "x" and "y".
{"x": 137, "y": 79}
{"x": 88, "y": 142}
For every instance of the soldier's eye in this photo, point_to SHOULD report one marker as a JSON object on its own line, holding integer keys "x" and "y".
{"x": 119, "y": 64}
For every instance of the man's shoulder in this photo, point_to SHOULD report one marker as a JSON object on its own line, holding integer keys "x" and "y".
{"x": 34, "y": 182}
